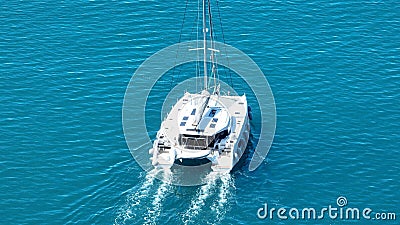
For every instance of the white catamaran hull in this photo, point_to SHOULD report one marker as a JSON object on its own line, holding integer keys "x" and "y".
{"x": 204, "y": 127}
{"x": 220, "y": 134}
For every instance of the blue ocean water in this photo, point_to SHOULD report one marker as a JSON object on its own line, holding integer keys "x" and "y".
{"x": 333, "y": 66}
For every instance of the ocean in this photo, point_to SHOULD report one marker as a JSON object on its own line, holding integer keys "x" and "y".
{"x": 333, "y": 67}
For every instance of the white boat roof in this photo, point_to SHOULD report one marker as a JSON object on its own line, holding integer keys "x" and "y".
{"x": 219, "y": 112}
{"x": 192, "y": 118}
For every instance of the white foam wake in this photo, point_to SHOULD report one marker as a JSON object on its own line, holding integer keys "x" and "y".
{"x": 225, "y": 191}
{"x": 154, "y": 212}
{"x": 133, "y": 200}
{"x": 198, "y": 201}
{"x": 217, "y": 189}
{"x": 146, "y": 203}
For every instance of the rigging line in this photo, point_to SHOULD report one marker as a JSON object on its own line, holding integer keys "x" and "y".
{"x": 184, "y": 54}
{"x": 197, "y": 45}
{"x": 195, "y": 26}
{"x": 212, "y": 55}
{"x": 223, "y": 39}
{"x": 215, "y": 62}
{"x": 216, "y": 71}
{"x": 194, "y": 35}
{"x": 179, "y": 41}
{"x": 205, "y": 45}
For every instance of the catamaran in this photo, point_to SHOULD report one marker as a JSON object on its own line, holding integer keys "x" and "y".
{"x": 207, "y": 127}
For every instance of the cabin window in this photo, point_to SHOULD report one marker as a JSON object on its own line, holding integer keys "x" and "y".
{"x": 215, "y": 120}
{"x": 212, "y": 113}
{"x": 196, "y": 142}
{"x": 183, "y": 124}
{"x": 212, "y": 125}
{"x": 185, "y": 118}
{"x": 193, "y": 112}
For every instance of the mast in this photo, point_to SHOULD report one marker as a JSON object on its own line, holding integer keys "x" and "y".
{"x": 205, "y": 44}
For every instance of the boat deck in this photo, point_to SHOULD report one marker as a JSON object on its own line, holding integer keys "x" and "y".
{"x": 235, "y": 105}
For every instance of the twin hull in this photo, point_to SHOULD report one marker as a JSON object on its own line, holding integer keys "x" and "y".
{"x": 203, "y": 127}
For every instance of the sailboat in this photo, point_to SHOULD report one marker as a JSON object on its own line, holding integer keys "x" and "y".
{"x": 205, "y": 127}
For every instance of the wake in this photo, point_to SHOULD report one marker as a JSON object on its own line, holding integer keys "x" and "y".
{"x": 145, "y": 203}
{"x": 158, "y": 199}
{"x": 133, "y": 207}
{"x": 217, "y": 190}
{"x": 219, "y": 206}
